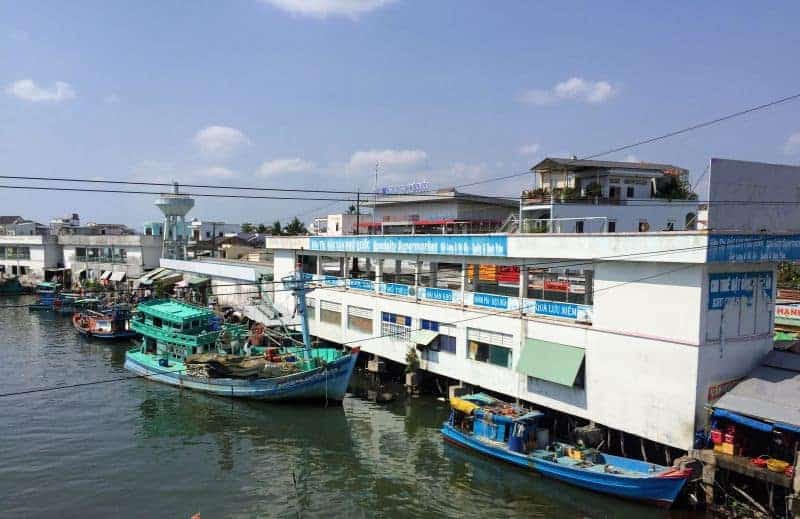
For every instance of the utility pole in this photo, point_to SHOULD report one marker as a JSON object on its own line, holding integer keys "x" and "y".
{"x": 213, "y": 239}
{"x": 358, "y": 221}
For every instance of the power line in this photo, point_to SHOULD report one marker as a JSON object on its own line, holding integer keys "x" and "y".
{"x": 657, "y": 138}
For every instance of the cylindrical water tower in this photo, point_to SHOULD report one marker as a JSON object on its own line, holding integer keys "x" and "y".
{"x": 175, "y": 206}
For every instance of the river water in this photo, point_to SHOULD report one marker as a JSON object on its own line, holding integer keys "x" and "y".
{"x": 136, "y": 448}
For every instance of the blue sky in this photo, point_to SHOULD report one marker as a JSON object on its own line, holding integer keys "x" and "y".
{"x": 292, "y": 93}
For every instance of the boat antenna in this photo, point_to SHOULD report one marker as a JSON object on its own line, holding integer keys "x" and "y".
{"x": 297, "y": 284}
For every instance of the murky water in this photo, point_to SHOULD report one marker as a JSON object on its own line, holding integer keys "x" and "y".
{"x": 140, "y": 449}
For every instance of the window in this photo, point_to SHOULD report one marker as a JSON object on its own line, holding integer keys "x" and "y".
{"x": 208, "y": 234}
{"x": 671, "y": 225}
{"x": 579, "y": 226}
{"x": 489, "y": 347}
{"x": 613, "y": 193}
{"x": 311, "y": 308}
{"x": 446, "y": 341}
{"x": 691, "y": 221}
{"x": 612, "y": 226}
{"x": 80, "y": 253}
{"x": 330, "y": 312}
{"x": 629, "y": 192}
{"x": 23, "y": 270}
{"x": 644, "y": 226}
{"x": 396, "y": 327}
{"x": 359, "y": 319}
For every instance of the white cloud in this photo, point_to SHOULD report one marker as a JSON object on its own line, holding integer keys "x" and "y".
{"x": 278, "y": 166}
{"x": 529, "y": 149}
{"x": 390, "y": 160}
{"x": 325, "y": 8}
{"x": 792, "y": 145}
{"x": 573, "y": 89}
{"x": 631, "y": 158}
{"x": 220, "y": 141}
{"x": 217, "y": 172}
{"x": 111, "y": 99}
{"x": 28, "y": 90}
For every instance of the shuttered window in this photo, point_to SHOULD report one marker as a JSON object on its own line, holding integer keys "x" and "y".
{"x": 490, "y": 347}
{"x": 396, "y": 327}
{"x": 359, "y": 319}
{"x": 330, "y": 312}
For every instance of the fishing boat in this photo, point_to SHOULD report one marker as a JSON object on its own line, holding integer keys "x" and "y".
{"x": 516, "y": 435}
{"x": 10, "y": 285}
{"x": 110, "y": 324}
{"x": 46, "y": 296}
{"x": 185, "y": 346}
{"x": 64, "y": 303}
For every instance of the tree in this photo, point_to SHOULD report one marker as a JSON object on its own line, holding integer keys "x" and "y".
{"x": 296, "y": 227}
{"x": 261, "y": 229}
{"x": 276, "y": 229}
{"x": 351, "y": 209}
{"x": 248, "y": 228}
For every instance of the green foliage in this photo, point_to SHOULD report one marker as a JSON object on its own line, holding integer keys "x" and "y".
{"x": 276, "y": 229}
{"x": 594, "y": 189}
{"x": 412, "y": 360}
{"x": 351, "y": 209}
{"x": 262, "y": 229}
{"x": 248, "y": 228}
{"x": 789, "y": 275}
{"x": 296, "y": 227}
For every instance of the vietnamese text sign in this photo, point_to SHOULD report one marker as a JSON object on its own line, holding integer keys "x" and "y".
{"x": 724, "y": 287}
{"x": 438, "y": 294}
{"x": 446, "y": 245}
{"x": 752, "y": 248}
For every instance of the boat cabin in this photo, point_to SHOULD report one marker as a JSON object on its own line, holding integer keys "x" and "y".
{"x": 175, "y": 329}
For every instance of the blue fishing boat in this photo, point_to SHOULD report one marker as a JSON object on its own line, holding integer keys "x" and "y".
{"x": 515, "y": 435}
{"x": 46, "y": 296}
{"x": 184, "y": 346}
{"x": 10, "y": 285}
{"x": 110, "y": 324}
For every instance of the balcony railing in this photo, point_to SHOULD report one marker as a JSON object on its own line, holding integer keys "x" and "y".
{"x": 101, "y": 259}
{"x": 526, "y": 306}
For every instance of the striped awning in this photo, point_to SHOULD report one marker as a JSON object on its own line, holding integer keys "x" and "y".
{"x": 105, "y": 275}
{"x": 117, "y": 276}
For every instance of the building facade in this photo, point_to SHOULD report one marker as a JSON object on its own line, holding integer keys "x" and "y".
{"x": 29, "y": 256}
{"x": 91, "y": 257}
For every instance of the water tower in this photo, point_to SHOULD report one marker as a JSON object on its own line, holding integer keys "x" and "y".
{"x": 174, "y": 206}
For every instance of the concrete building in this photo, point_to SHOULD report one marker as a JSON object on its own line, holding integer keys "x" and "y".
{"x": 337, "y": 224}
{"x": 636, "y": 331}
{"x": 29, "y": 256}
{"x": 573, "y": 195}
{"x": 207, "y": 229}
{"x": 240, "y": 284}
{"x": 109, "y": 256}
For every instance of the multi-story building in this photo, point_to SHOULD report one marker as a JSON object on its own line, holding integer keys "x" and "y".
{"x": 207, "y": 229}
{"x": 572, "y": 195}
{"x": 635, "y": 331}
{"x": 112, "y": 257}
{"x": 29, "y": 256}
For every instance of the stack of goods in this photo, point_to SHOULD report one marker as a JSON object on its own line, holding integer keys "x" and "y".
{"x": 724, "y": 440}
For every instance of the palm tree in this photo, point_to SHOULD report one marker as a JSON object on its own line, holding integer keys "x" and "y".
{"x": 296, "y": 227}
{"x": 248, "y": 228}
{"x": 261, "y": 229}
{"x": 276, "y": 229}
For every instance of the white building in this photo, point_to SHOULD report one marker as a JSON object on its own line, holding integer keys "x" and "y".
{"x": 338, "y": 224}
{"x": 109, "y": 256}
{"x": 636, "y": 331}
{"x": 574, "y": 195}
{"x": 28, "y": 256}
{"x": 206, "y": 229}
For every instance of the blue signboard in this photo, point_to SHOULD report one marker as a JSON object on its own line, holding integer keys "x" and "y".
{"x": 361, "y": 284}
{"x": 443, "y": 245}
{"x": 752, "y": 248}
{"x": 490, "y": 300}
{"x": 724, "y": 287}
{"x": 330, "y": 281}
{"x": 396, "y": 289}
{"x": 438, "y": 294}
{"x": 555, "y": 309}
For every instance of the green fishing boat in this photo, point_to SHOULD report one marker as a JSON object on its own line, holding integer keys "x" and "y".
{"x": 186, "y": 346}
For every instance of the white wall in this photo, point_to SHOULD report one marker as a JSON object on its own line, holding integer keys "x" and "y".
{"x": 735, "y": 183}
{"x": 657, "y": 213}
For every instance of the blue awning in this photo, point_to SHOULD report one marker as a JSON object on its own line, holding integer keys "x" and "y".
{"x": 742, "y": 420}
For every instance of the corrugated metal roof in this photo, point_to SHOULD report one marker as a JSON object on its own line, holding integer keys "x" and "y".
{"x": 580, "y": 164}
{"x": 423, "y": 337}
{"x": 551, "y": 361}
{"x": 768, "y": 393}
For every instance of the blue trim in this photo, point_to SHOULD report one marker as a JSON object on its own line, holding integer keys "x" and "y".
{"x": 447, "y": 245}
{"x": 754, "y": 248}
{"x": 742, "y": 420}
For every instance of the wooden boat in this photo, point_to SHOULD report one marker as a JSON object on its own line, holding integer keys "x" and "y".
{"x": 46, "y": 295}
{"x": 10, "y": 285}
{"x": 515, "y": 435}
{"x": 183, "y": 346}
{"x": 111, "y": 324}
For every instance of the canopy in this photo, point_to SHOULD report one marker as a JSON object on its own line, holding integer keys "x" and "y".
{"x": 197, "y": 280}
{"x": 423, "y": 337}
{"x": 106, "y": 274}
{"x": 462, "y": 405}
{"x": 551, "y": 361}
{"x": 117, "y": 276}
{"x": 769, "y": 392}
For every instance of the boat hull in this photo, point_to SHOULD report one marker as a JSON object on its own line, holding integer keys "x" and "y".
{"x": 658, "y": 490}
{"x": 328, "y": 383}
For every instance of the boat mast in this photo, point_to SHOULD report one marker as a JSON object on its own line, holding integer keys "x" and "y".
{"x": 298, "y": 286}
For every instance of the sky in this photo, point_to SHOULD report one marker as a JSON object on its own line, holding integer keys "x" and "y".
{"x": 312, "y": 94}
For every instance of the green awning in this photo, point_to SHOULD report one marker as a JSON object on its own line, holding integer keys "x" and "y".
{"x": 423, "y": 337}
{"x": 551, "y": 361}
{"x": 197, "y": 280}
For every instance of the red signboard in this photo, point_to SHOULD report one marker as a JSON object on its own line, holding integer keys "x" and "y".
{"x": 561, "y": 286}
{"x": 788, "y": 311}
{"x": 508, "y": 275}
